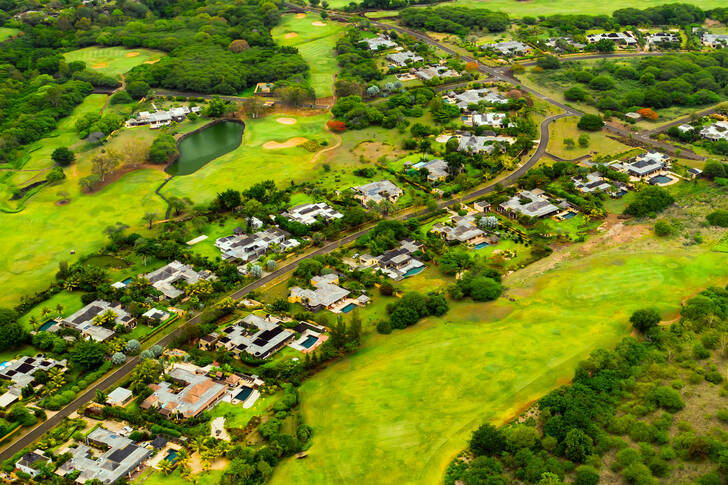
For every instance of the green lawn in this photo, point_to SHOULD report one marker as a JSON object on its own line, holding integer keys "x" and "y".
{"x": 315, "y": 44}
{"x": 566, "y": 128}
{"x": 174, "y": 478}
{"x": 407, "y": 402}
{"x": 236, "y": 416}
{"x": 112, "y": 61}
{"x": 7, "y": 355}
{"x": 71, "y": 302}
{"x": 7, "y": 32}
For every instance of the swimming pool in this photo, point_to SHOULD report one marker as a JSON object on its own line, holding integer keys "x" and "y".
{"x": 347, "y": 309}
{"x": 568, "y": 215}
{"x": 310, "y": 340}
{"x": 244, "y": 393}
{"x": 47, "y": 325}
{"x": 171, "y": 456}
{"x": 414, "y": 271}
{"x": 127, "y": 281}
{"x": 660, "y": 179}
{"x": 482, "y": 245}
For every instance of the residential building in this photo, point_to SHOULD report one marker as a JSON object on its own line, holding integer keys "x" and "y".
{"x": 716, "y": 131}
{"x": 486, "y": 119}
{"x": 156, "y": 315}
{"x": 508, "y": 48}
{"x": 198, "y": 394}
{"x": 258, "y": 336}
{"x": 161, "y": 118}
{"x": 20, "y": 371}
{"x": 633, "y": 116}
{"x": 477, "y": 144}
{"x": 248, "y": 248}
{"x": 437, "y": 170}
{"x": 119, "y": 397}
{"x": 28, "y": 460}
{"x": 474, "y": 96}
{"x": 664, "y": 38}
{"x": 309, "y": 214}
{"x": 119, "y": 459}
{"x": 685, "y": 128}
{"x": 83, "y": 320}
{"x": 380, "y": 42}
{"x": 397, "y": 263}
{"x": 556, "y": 44}
{"x": 461, "y": 230}
{"x": 430, "y": 72}
{"x": 377, "y": 192}
{"x": 716, "y": 41}
{"x": 644, "y": 164}
{"x": 594, "y": 183}
{"x": 694, "y": 172}
{"x": 481, "y": 205}
{"x": 325, "y": 295}
{"x": 167, "y": 279}
{"x": 624, "y": 38}
{"x": 403, "y": 58}
{"x": 531, "y": 203}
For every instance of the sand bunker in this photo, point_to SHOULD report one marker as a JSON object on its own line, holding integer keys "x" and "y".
{"x": 100, "y": 65}
{"x": 132, "y": 54}
{"x": 274, "y": 145}
{"x": 300, "y": 15}
{"x": 290, "y": 35}
{"x": 318, "y": 24}
{"x": 286, "y": 121}
{"x": 154, "y": 61}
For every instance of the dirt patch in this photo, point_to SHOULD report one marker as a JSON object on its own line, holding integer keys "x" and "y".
{"x": 100, "y": 65}
{"x": 154, "y": 61}
{"x": 286, "y": 121}
{"x": 290, "y": 35}
{"x": 318, "y": 24}
{"x": 63, "y": 202}
{"x": 300, "y": 15}
{"x": 712, "y": 23}
{"x": 197, "y": 467}
{"x": 132, "y": 54}
{"x": 372, "y": 150}
{"x": 290, "y": 143}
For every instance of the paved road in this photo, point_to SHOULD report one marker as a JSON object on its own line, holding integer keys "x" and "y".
{"x": 680, "y": 121}
{"x": 585, "y": 57}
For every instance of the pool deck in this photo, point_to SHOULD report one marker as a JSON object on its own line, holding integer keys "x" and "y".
{"x": 297, "y": 344}
{"x": 162, "y": 454}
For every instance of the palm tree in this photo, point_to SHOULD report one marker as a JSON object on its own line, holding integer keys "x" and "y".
{"x": 166, "y": 466}
{"x": 45, "y": 311}
{"x": 198, "y": 445}
{"x": 59, "y": 309}
{"x": 33, "y": 321}
{"x": 55, "y": 381}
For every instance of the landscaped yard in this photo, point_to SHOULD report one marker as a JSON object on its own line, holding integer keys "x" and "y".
{"x": 599, "y": 142}
{"x": 71, "y": 302}
{"x": 413, "y": 403}
{"x": 7, "y": 32}
{"x": 113, "y": 61}
{"x": 316, "y": 44}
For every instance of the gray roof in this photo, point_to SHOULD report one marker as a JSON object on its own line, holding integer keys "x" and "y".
{"x": 401, "y": 58}
{"x": 82, "y": 320}
{"x": 309, "y": 213}
{"x": 21, "y": 371}
{"x": 537, "y": 205}
{"x": 378, "y": 191}
{"x": 255, "y": 335}
{"x": 199, "y": 394}
{"x": 164, "y": 278}
{"x": 118, "y": 395}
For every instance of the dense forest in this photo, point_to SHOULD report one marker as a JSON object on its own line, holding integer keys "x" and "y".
{"x": 457, "y": 20}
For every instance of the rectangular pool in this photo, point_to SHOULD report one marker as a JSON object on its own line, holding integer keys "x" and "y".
{"x": 171, "y": 456}
{"x": 47, "y": 325}
{"x": 244, "y": 393}
{"x": 659, "y": 180}
{"x": 568, "y": 215}
{"x": 308, "y": 343}
{"x": 482, "y": 245}
{"x": 414, "y": 271}
{"x": 347, "y": 309}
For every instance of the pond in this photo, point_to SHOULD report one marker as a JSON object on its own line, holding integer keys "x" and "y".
{"x": 198, "y": 149}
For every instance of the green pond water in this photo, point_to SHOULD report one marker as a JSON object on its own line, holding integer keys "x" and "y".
{"x": 197, "y": 150}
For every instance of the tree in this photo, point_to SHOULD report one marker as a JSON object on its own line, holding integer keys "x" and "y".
{"x": 663, "y": 228}
{"x": 104, "y": 164}
{"x": 296, "y": 95}
{"x": 718, "y": 218}
{"x": 146, "y": 372}
{"x": 238, "y": 45}
{"x": 488, "y": 223}
{"x": 133, "y": 347}
{"x": 586, "y": 475}
{"x": 577, "y": 445}
{"x": 63, "y": 157}
{"x": 118, "y": 358}
{"x": 149, "y": 218}
{"x": 487, "y": 440}
{"x": 156, "y": 350}
{"x": 162, "y": 149}
{"x": 217, "y": 107}
{"x": 648, "y": 114}
{"x": 88, "y": 354}
{"x": 137, "y": 89}
{"x": 645, "y": 319}
{"x": 548, "y": 62}
{"x": 584, "y": 140}
{"x": 590, "y": 122}
{"x": 178, "y": 204}
{"x": 604, "y": 46}
{"x": 100, "y": 396}
{"x": 256, "y": 271}
{"x": 483, "y": 288}
{"x": 254, "y": 107}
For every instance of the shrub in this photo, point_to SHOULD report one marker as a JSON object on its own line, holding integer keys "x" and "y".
{"x": 590, "y": 122}
{"x": 586, "y": 475}
{"x": 638, "y": 474}
{"x": 714, "y": 377}
{"x": 667, "y": 398}
{"x": 645, "y": 319}
{"x": 384, "y": 327}
{"x": 487, "y": 440}
{"x": 133, "y": 347}
{"x": 663, "y": 228}
{"x": 718, "y": 218}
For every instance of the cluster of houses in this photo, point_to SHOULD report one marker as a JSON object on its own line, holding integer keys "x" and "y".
{"x": 20, "y": 373}
{"x": 625, "y": 38}
{"x": 652, "y": 167}
{"x": 397, "y": 263}
{"x": 713, "y": 132}
{"x": 159, "y": 118}
{"x": 482, "y": 143}
{"x": 474, "y": 96}
{"x": 427, "y": 73}
{"x": 714, "y": 41}
{"x": 169, "y": 278}
{"x": 403, "y": 59}
{"x": 509, "y": 48}
{"x": 464, "y": 230}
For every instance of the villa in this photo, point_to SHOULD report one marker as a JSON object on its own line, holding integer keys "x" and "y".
{"x": 198, "y": 394}
{"x": 474, "y": 96}
{"x": 715, "y": 41}
{"x": 380, "y": 42}
{"x": 376, "y": 192}
{"x": 486, "y": 119}
{"x": 664, "y": 38}
{"x": 430, "y": 72}
{"x": 716, "y": 131}
{"x": 643, "y": 165}
{"x": 159, "y": 118}
{"x": 83, "y": 320}
{"x": 326, "y": 295}
{"x": 555, "y": 43}
{"x": 508, "y": 48}
{"x": 477, "y": 144}
{"x": 531, "y": 203}
{"x": 166, "y": 278}
{"x": 156, "y": 315}
{"x": 20, "y": 372}
{"x": 119, "y": 397}
{"x": 248, "y": 248}
{"x": 625, "y": 38}
{"x": 28, "y": 460}
{"x": 593, "y": 183}
{"x": 437, "y": 170}
{"x": 119, "y": 459}
{"x": 403, "y": 58}
{"x": 258, "y": 336}
{"x": 309, "y": 214}
{"x": 397, "y": 263}
{"x": 462, "y": 230}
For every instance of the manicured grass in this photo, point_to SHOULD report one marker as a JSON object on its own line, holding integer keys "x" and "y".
{"x": 236, "y": 416}
{"x": 316, "y": 46}
{"x": 213, "y": 232}
{"x": 71, "y": 302}
{"x": 415, "y": 396}
{"x": 599, "y": 142}
{"x": 8, "y": 355}
{"x": 112, "y": 61}
{"x": 174, "y": 478}
{"x": 7, "y": 32}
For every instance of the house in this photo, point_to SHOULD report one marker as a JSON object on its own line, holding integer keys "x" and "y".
{"x": 156, "y": 315}
{"x": 380, "y": 42}
{"x": 209, "y": 341}
{"x": 481, "y": 206}
{"x": 309, "y": 214}
{"x": 716, "y": 131}
{"x": 118, "y": 459}
{"x": 430, "y": 72}
{"x": 325, "y": 295}
{"x": 83, "y": 320}
{"x": 264, "y": 89}
{"x": 624, "y": 38}
{"x": 486, "y": 119}
{"x": 557, "y": 44}
{"x": 377, "y": 192}
{"x": 161, "y": 118}
{"x": 715, "y": 41}
{"x": 20, "y": 371}
{"x": 531, "y": 203}
{"x": 633, "y": 116}
{"x": 664, "y": 38}
{"x": 397, "y": 263}
{"x": 594, "y": 183}
{"x": 508, "y": 48}
{"x": 461, "y": 230}
{"x": 437, "y": 170}
{"x": 685, "y": 128}
{"x": 694, "y": 173}
{"x": 167, "y": 278}
{"x": 248, "y": 248}
{"x": 403, "y": 58}
{"x": 645, "y": 164}
{"x": 28, "y": 460}
{"x": 119, "y": 397}
{"x": 477, "y": 144}
{"x": 198, "y": 394}
{"x": 474, "y": 96}
{"x": 258, "y": 336}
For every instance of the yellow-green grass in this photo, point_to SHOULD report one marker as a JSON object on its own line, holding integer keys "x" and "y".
{"x": 378, "y": 14}
{"x": 251, "y": 163}
{"x": 407, "y": 402}
{"x": 70, "y": 301}
{"x": 564, "y": 128}
{"x": 316, "y": 46}
{"x": 7, "y": 32}
{"x": 236, "y": 416}
{"x": 213, "y": 232}
{"x": 175, "y": 478}
{"x": 112, "y": 61}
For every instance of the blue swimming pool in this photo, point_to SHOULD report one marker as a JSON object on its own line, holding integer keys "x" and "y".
{"x": 47, "y": 325}
{"x": 348, "y": 308}
{"x": 482, "y": 245}
{"x": 660, "y": 179}
{"x": 568, "y": 215}
{"x": 310, "y": 340}
{"x": 414, "y": 271}
{"x": 127, "y": 281}
{"x": 243, "y": 395}
{"x": 171, "y": 456}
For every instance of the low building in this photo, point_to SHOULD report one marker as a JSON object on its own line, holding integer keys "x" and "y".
{"x": 160, "y": 118}
{"x": 381, "y": 42}
{"x": 258, "y": 336}
{"x": 716, "y": 131}
{"x": 156, "y": 315}
{"x": 481, "y": 205}
{"x": 20, "y": 371}
{"x": 531, "y": 203}
{"x": 437, "y": 170}
{"x": 248, "y": 248}
{"x": 477, "y": 144}
{"x": 508, "y": 48}
{"x": 309, "y": 214}
{"x": 376, "y": 192}
{"x": 167, "y": 278}
{"x": 644, "y": 165}
{"x": 403, "y": 58}
{"x": 685, "y": 128}
{"x": 694, "y": 173}
{"x": 28, "y": 463}
{"x": 664, "y": 38}
{"x": 430, "y": 72}
{"x": 561, "y": 44}
{"x": 397, "y": 263}
{"x": 622, "y": 38}
{"x": 83, "y": 320}
{"x": 119, "y": 458}
{"x": 325, "y": 295}
{"x": 462, "y": 230}
{"x": 120, "y": 396}
{"x": 715, "y": 41}
{"x": 594, "y": 183}
{"x": 198, "y": 394}
{"x": 474, "y": 96}
{"x": 486, "y": 119}
{"x": 633, "y": 116}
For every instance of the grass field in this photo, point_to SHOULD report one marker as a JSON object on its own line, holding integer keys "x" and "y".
{"x": 112, "y": 61}
{"x": 7, "y": 32}
{"x": 315, "y": 44}
{"x": 599, "y": 142}
{"x": 408, "y": 404}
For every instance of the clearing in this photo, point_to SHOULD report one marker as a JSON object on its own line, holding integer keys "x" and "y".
{"x": 113, "y": 61}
